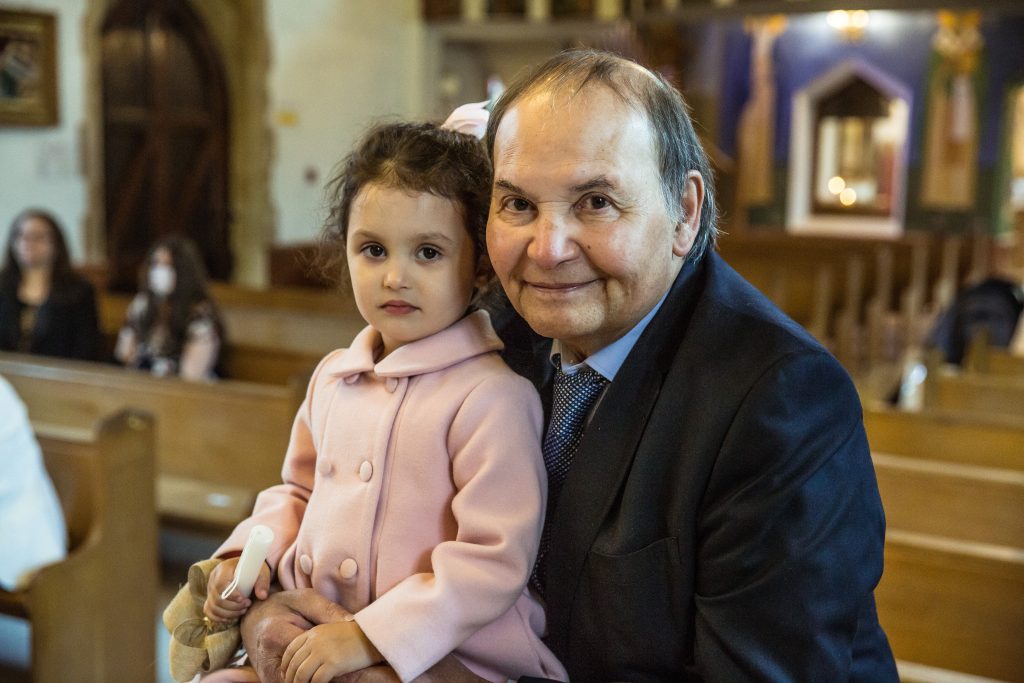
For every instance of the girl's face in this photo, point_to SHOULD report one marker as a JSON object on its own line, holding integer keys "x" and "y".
{"x": 411, "y": 262}
{"x": 162, "y": 278}
{"x": 33, "y": 245}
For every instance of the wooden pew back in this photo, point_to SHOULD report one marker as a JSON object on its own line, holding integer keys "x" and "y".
{"x": 964, "y": 502}
{"x": 217, "y": 444}
{"x": 944, "y": 436}
{"x": 953, "y": 490}
{"x": 92, "y": 613}
{"x": 976, "y": 394}
{"x": 953, "y": 605}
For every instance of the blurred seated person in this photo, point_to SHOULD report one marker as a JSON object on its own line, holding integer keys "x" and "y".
{"x": 32, "y": 531}
{"x": 45, "y": 307}
{"x": 172, "y": 327}
{"x": 995, "y": 305}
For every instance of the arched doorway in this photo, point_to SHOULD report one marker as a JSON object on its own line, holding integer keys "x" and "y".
{"x": 165, "y": 136}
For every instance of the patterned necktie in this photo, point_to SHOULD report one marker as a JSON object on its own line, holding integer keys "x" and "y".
{"x": 574, "y": 395}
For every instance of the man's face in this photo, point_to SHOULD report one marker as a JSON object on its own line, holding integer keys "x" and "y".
{"x": 579, "y": 232}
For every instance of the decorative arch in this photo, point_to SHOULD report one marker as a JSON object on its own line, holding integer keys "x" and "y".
{"x": 237, "y": 33}
{"x": 880, "y": 106}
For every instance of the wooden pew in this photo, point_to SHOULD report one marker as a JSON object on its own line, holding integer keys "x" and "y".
{"x": 974, "y": 393}
{"x": 952, "y": 594}
{"x": 92, "y": 613}
{"x": 966, "y": 502}
{"x": 948, "y": 437}
{"x": 760, "y": 256}
{"x": 983, "y": 358}
{"x": 217, "y": 444}
{"x": 953, "y": 605}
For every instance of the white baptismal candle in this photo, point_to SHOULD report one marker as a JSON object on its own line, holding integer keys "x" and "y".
{"x": 253, "y": 555}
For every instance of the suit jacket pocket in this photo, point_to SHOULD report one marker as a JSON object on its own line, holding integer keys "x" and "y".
{"x": 633, "y": 610}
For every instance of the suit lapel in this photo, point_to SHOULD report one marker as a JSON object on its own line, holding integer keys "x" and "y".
{"x": 609, "y": 445}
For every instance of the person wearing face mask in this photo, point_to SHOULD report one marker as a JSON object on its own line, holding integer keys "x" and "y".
{"x": 46, "y": 308}
{"x": 172, "y": 327}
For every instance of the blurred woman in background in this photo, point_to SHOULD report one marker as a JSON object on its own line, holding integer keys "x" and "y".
{"x": 45, "y": 306}
{"x": 172, "y": 327}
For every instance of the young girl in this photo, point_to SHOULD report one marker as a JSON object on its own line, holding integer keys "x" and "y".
{"x": 172, "y": 327}
{"x": 413, "y": 483}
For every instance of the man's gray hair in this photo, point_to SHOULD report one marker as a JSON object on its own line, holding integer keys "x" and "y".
{"x": 676, "y": 142}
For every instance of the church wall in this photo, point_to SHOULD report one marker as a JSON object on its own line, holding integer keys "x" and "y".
{"x": 334, "y": 68}
{"x": 41, "y": 166}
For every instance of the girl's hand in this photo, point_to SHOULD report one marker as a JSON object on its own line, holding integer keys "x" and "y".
{"x": 326, "y": 651}
{"x": 226, "y": 610}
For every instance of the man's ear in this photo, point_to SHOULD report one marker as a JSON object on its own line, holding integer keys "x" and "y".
{"x": 690, "y": 203}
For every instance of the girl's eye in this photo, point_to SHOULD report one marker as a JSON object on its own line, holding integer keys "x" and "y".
{"x": 429, "y": 253}
{"x": 373, "y": 250}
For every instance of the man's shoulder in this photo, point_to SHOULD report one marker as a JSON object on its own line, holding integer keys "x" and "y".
{"x": 737, "y": 317}
{"x": 727, "y": 334}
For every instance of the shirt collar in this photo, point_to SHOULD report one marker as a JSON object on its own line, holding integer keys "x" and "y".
{"x": 607, "y": 361}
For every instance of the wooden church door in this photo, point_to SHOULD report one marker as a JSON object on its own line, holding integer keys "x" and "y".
{"x": 165, "y": 130}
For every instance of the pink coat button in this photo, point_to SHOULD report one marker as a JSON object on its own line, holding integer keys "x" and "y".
{"x": 365, "y": 471}
{"x": 391, "y": 384}
{"x": 351, "y": 379}
{"x": 348, "y": 568}
{"x": 325, "y": 467}
{"x": 306, "y": 564}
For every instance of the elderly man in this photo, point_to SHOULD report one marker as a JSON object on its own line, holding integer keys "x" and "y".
{"x": 713, "y": 511}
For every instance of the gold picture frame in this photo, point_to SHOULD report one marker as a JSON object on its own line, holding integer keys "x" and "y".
{"x": 28, "y": 69}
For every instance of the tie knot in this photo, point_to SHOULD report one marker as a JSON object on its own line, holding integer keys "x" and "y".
{"x": 574, "y": 394}
{"x": 584, "y": 376}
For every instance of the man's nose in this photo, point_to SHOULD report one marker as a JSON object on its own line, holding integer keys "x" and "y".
{"x": 554, "y": 241}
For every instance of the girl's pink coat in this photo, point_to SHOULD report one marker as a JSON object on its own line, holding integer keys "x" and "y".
{"x": 413, "y": 496}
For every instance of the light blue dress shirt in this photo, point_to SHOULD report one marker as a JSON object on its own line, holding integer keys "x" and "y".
{"x": 607, "y": 361}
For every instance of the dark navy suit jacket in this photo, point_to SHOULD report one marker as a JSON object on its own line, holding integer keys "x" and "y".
{"x": 721, "y": 520}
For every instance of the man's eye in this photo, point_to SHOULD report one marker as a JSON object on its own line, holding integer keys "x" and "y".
{"x": 595, "y": 202}
{"x": 517, "y": 204}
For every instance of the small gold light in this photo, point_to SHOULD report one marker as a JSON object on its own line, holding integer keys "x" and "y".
{"x": 849, "y": 23}
{"x": 848, "y": 197}
{"x": 838, "y": 19}
{"x": 836, "y": 184}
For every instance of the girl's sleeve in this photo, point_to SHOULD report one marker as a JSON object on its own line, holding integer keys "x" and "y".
{"x": 126, "y": 350}
{"x": 282, "y": 507}
{"x": 494, "y": 444}
{"x": 201, "y": 349}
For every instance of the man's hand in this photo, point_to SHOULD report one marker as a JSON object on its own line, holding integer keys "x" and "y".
{"x": 270, "y": 626}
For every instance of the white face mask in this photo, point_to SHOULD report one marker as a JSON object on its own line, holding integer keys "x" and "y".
{"x": 161, "y": 279}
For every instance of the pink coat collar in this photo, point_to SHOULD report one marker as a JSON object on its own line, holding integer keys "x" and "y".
{"x": 471, "y": 336}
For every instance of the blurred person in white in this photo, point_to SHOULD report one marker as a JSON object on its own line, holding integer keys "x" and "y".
{"x": 32, "y": 532}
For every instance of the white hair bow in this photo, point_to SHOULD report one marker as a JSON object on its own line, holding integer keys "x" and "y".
{"x": 470, "y": 119}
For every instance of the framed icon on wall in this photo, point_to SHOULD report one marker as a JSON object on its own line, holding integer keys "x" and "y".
{"x": 28, "y": 69}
